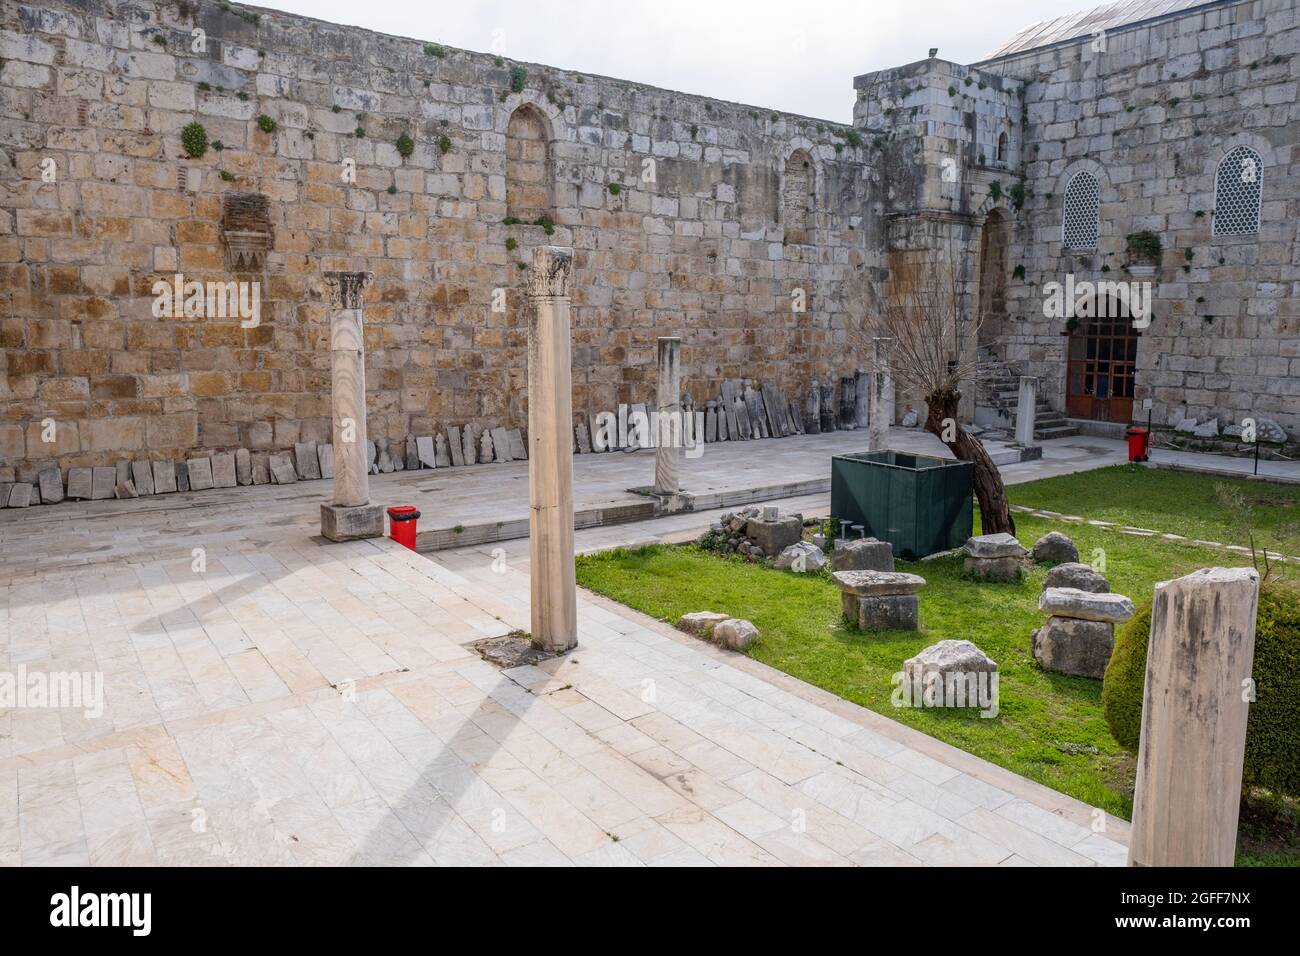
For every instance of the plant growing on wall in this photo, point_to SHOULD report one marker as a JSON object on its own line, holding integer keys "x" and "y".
{"x": 266, "y": 124}
{"x": 194, "y": 138}
{"x": 1144, "y": 247}
{"x": 405, "y": 145}
{"x": 518, "y": 77}
{"x": 1017, "y": 194}
{"x": 435, "y": 49}
{"x": 444, "y": 144}
{"x": 995, "y": 188}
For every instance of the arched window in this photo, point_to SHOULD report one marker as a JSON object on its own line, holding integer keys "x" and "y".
{"x": 797, "y": 189}
{"x": 1079, "y": 225}
{"x": 1002, "y": 147}
{"x": 528, "y": 164}
{"x": 1238, "y": 190}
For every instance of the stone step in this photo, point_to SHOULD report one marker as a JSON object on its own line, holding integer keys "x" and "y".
{"x": 1063, "y": 431}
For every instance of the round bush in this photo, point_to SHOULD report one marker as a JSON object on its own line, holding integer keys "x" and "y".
{"x": 1273, "y": 730}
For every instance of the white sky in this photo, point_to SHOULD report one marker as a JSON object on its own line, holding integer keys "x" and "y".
{"x": 789, "y": 56}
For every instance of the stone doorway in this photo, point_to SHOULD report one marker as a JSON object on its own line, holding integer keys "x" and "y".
{"x": 1101, "y": 361}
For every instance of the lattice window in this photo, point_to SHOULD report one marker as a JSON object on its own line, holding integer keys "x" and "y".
{"x": 1079, "y": 226}
{"x": 1238, "y": 190}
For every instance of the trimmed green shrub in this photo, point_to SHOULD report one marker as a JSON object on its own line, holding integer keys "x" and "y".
{"x": 1273, "y": 730}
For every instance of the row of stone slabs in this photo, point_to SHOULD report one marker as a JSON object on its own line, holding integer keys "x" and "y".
{"x": 308, "y": 461}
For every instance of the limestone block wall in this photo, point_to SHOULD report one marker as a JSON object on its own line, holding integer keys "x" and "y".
{"x": 1152, "y": 115}
{"x": 674, "y": 205}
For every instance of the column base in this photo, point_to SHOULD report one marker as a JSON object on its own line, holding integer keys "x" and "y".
{"x": 338, "y": 523}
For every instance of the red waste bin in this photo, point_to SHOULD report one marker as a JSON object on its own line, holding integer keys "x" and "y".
{"x": 1138, "y": 442}
{"x": 401, "y": 525}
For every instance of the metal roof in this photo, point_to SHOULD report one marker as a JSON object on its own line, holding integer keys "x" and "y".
{"x": 1110, "y": 16}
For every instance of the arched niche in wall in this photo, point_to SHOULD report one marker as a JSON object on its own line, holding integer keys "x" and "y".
{"x": 529, "y": 164}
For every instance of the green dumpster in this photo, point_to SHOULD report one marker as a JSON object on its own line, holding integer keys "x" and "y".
{"x": 921, "y": 505}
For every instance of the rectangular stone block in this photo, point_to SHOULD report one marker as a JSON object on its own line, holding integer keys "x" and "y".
{"x": 351, "y": 524}
{"x": 164, "y": 477}
{"x": 515, "y": 440}
{"x": 199, "y": 471}
{"x": 243, "y": 466}
{"x": 123, "y": 469}
{"x": 103, "y": 483}
{"x": 223, "y": 470}
{"x": 261, "y": 468}
{"x": 51, "y": 485}
{"x": 501, "y": 445}
{"x": 775, "y": 536}
{"x": 142, "y": 477}
{"x": 182, "y": 477}
{"x": 454, "y": 446}
{"x": 325, "y": 453}
{"x": 20, "y": 495}
{"x": 126, "y": 489}
{"x": 890, "y": 612}
{"x": 306, "y": 460}
{"x": 425, "y": 451}
{"x": 282, "y": 470}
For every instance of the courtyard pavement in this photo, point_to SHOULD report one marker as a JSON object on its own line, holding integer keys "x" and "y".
{"x": 273, "y": 699}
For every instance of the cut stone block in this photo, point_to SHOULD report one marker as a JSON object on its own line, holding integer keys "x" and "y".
{"x": 261, "y": 468}
{"x": 801, "y": 557}
{"x": 51, "y": 484}
{"x": 515, "y": 442}
{"x": 864, "y": 554}
{"x": 384, "y": 462}
{"x": 142, "y": 477}
{"x": 182, "y": 477}
{"x": 773, "y": 537}
{"x": 454, "y": 446}
{"x": 469, "y": 446}
{"x": 426, "y": 452}
{"x": 583, "y": 438}
{"x": 104, "y": 483}
{"x": 501, "y": 444}
{"x": 223, "y": 470}
{"x": 1070, "y": 646}
{"x": 372, "y": 457}
{"x": 80, "y": 484}
{"x": 243, "y": 466}
{"x": 994, "y": 569}
{"x": 306, "y": 461}
{"x": 281, "y": 468}
{"x": 700, "y": 623}
{"x": 6, "y": 488}
{"x": 1055, "y": 548}
{"x": 880, "y": 600}
{"x": 440, "y": 456}
{"x": 735, "y": 634}
{"x": 878, "y": 583}
{"x": 123, "y": 471}
{"x": 1073, "y": 575}
{"x": 412, "y": 454}
{"x": 164, "y": 477}
{"x": 200, "y": 473}
{"x": 20, "y": 495}
{"x": 350, "y": 524}
{"x": 890, "y": 612}
{"x": 126, "y": 489}
{"x": 951, "y": 674}
{"x": 1085, "y": 605}
{"x": 325, "y": 456}
{"x": 1001, "y": 545}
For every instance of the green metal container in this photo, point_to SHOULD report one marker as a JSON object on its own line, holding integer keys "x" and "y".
{"x": 919, "y": 504}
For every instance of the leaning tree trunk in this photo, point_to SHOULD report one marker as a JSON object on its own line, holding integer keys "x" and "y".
{"x": 995, "y": 510}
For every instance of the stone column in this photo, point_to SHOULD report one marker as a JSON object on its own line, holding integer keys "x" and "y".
{"x": 882, "y": 396}
{"x": 351, "y": 515}
{"x": 668, "y": 447}
{"x": 862, "y": 398}
{"x": 1194, "y": 711}
{"x": 1026, "y": 411}
{"x": 550, "y": 464}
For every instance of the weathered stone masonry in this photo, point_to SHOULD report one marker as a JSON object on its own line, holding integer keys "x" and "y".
{"x": 104, "y": 88}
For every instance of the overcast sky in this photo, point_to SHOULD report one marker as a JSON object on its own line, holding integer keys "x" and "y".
{"x": 790, "y": 56}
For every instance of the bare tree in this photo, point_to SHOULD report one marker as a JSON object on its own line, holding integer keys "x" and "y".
{"x": 922, "y": 306}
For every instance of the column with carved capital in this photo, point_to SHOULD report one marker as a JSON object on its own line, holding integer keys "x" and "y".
{"x": 668, "y": 441}
{"x": 351, "y": 515}
{"x": 550, "y": 452}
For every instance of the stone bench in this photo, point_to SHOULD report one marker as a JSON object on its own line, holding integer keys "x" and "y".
{"x": 879, "y": 600}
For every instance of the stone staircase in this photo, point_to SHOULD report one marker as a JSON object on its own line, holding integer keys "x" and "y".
{"x": 1003, "y": 392}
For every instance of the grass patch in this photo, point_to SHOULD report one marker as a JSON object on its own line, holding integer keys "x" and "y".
{"x": 1050, "y": 728}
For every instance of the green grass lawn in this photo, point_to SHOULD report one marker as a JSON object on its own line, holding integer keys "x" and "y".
{"x": 1050, "y": 727}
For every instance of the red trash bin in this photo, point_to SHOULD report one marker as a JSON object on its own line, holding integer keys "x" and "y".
{"x": 1139, "y": 440}
{"x": 401, "y": 525}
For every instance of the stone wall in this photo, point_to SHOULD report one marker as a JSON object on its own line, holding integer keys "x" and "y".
{"x": 1152, "y": 116}
{"x": 674, "y": 205}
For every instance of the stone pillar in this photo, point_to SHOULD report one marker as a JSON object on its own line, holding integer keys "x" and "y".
{"x": 1199, "y": 656}
{"x": 351, "y": 515}
{"x": 550, "y": 464}
{"x": 668, "y": 447}
{"x": 882, "y": 396}
{"x": 1026, "y": 411}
